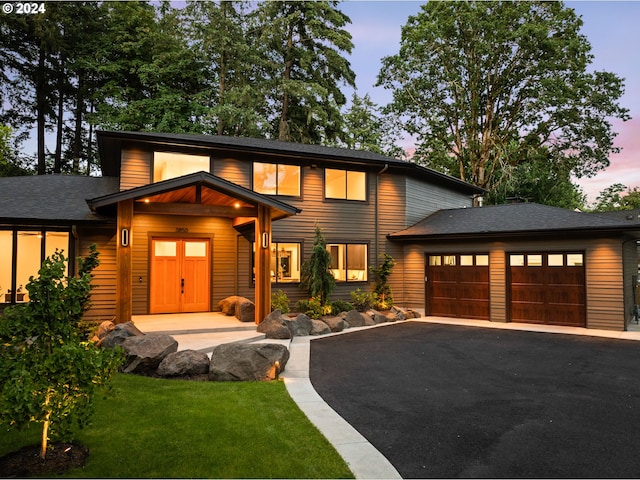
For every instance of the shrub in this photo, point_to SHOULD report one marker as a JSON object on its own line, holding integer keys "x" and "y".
{"x": 340, "y": 306}
{"x": 382, "y": 288}
{"x": 313, "y": 307}
{"x": 279, "y": 300}
{"x": 48, "y": 372}
{"x": 363, "y": 301}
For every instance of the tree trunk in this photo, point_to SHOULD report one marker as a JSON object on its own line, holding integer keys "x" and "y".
{"x": 77, "y": 133}
{"x": 41, "y": 102}
{"x": 57, "y": 163}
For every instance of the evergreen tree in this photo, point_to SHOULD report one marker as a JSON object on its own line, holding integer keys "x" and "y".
{"x": 302, "y": 44}
{"x": 316, "y": 276}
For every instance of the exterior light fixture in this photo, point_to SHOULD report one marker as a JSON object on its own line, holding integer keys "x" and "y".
{"x": 276, "y": 367}
{"x": 124, "y": 237}
{"x": 265, "y": 239}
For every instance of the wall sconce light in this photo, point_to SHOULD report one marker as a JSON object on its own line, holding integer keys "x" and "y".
{"x": 265, "y": 239}
{"x": 124, "y": 237}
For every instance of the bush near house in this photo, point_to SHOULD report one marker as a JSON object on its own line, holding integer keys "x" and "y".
{"x": 48, "y": 372}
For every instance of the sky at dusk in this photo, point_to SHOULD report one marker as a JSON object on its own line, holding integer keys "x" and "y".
{"x": 612, "y": 28}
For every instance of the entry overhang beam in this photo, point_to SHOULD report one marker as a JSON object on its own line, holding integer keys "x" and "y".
{"x": 192, "y": 209}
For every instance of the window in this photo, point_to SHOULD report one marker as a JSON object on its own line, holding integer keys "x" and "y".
{"x": 575, "y": 260}
{"x": 276, "y": 179}
{"x": 348, "y": 261}
{"x": 25, "y": 259}
{"x": 285, "y": 262}
{"x": 345, "y": 184}
{"x": 168, "y": 165}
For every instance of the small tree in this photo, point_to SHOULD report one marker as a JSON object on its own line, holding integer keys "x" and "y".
{"x": 316, "y": 276}
{"x": 382, "y": 288}
{"x": 48, "y": 373}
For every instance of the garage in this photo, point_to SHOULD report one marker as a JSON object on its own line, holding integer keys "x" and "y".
{"x": 457, "y": 285}
{"x": 547, "y": 288}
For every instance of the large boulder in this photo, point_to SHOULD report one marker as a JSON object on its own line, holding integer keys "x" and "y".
{"x": 245, "y": 310}
{"x": 144, "y": 353}
{"x": 228, "y": 305}
{"x": 336, "y": 324}
{"x": 275, "y": 326}
{"x": 318, "y": 327}
{"x": 247, "y": 361}
{"x": 184, "y": 363}
{"x": 119, "y": 334}
{"x": 355, "y": 319}
{"x": 376, "y": 316}
{"x": 299, "y": 326}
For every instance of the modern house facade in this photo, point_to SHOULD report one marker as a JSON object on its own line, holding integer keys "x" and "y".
{"x": 182, "y": 221}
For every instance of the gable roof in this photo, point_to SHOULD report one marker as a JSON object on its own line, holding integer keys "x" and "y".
{"x": 523, "y": 219}
{"x": 52, "y": 199}
{"x": 110, "y": 145}
{"x": 209, "y": 181}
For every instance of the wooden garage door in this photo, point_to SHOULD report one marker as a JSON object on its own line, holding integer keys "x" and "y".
{"x": 457, "y": 285}
{"x": 547, "y": 288}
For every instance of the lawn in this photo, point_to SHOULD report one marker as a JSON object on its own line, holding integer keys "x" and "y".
{"x": 150, "y": 428}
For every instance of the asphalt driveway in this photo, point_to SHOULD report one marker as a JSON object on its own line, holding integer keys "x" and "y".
{"x": 442, "y": 401}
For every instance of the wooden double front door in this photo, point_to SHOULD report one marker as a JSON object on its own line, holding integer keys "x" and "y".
{"x": 180, "y": 275}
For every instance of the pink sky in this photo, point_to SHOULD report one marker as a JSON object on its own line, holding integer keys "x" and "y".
{"x": 610, "y": 26}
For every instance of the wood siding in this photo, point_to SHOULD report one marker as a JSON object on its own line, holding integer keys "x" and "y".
{"x": 605, "y": 299}
{"x": 103, "y": 296}
{"x": 136, "y": 168}
{"x": 423, "y": 199}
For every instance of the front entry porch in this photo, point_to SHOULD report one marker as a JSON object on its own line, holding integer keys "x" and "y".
{"x": 199, "y": 331}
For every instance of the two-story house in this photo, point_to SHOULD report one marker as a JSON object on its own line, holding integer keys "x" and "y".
{"x": 182, "y": 221}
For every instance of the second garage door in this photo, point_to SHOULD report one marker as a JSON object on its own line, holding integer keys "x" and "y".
{"x": 547, "y": 288}
{"x": 457, "y": 285}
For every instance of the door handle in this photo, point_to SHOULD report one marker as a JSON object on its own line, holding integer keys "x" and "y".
{"x": 182, "y": 285}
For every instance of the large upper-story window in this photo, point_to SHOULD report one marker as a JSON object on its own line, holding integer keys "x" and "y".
{"x": 168, "y": 165}
{"x": 348, "y": 261}
{"x": 276, "y": 179}
{"x": 345, "y": 184}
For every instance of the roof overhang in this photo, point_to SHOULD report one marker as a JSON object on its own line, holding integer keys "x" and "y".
{"x": 196, "y": 194}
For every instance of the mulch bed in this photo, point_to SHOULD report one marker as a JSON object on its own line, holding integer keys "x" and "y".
{"x": 26, "y": 462}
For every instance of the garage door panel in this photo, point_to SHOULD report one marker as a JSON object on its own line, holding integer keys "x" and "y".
{"x": 550, "y": 291}
{"x": 457, "y": 286}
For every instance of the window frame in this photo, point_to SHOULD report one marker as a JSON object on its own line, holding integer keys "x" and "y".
{"x": 277, "y": 165}
{"x": 345, "y": 261}
{"x": 42, "y": 232}
{"x": 346, "y": 186}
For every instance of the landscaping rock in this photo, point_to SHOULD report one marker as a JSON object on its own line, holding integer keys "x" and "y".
{"x": 275, "y": 326}
{"x": 119, "y": 334}
{"x": 144, "y": 353}
{"x": 355, "y": 319}
{"x": 300, "y": 326}
{"x": 228, "y": 305}
{"x": 377, "y": 317}
{"x": 336, "y": 324}
{"x": 245, "y": 310}
{"x": 247, "y": 361}
{"x": 318, "y": 327}
{"x": 184, "y": 363}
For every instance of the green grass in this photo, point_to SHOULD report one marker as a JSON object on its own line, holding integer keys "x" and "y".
{"x": 171, "y": 428}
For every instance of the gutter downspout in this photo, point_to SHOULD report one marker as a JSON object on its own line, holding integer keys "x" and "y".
{"x": 376, "y": 217}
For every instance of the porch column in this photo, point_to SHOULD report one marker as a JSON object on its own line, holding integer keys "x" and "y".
{"x": 262, "y": 263}
{"x": 124, "y": 261}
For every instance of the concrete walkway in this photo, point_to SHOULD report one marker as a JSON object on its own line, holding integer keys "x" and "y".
{"x": 204, "y": 331}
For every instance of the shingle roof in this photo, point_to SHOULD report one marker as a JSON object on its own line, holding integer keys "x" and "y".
{"x": 511, "y": 219}
{"x": 109, "y": 145}
{"x": 52, "y": 198}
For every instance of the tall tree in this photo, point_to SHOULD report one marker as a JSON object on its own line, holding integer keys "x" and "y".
{"x": 617, "y": 197}
{"x": 303, "y": 44}
{"x": 488, "y": 86}
{"x": 367, "y": 129}
{"x": 218, "y": 32}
